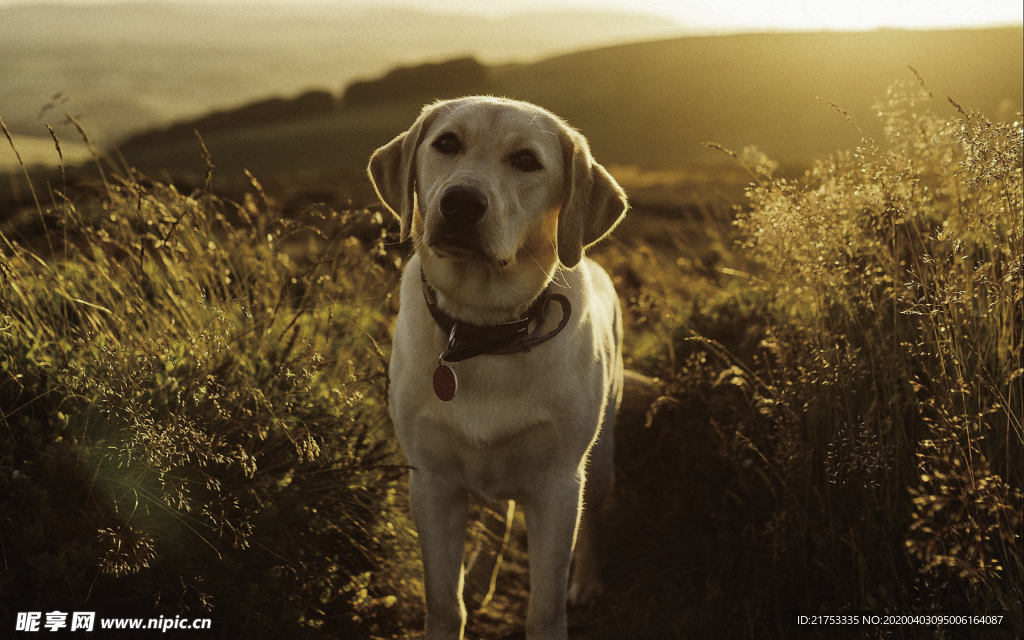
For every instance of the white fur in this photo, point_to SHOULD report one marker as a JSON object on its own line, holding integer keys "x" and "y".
{"x": 523, "y": 426}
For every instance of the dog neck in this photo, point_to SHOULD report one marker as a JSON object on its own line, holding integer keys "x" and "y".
{"x": 482, "y": 292}
{"x": 467, "y": 340}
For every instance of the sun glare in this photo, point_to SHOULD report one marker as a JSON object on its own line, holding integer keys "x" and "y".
{"x": 716, "y": 16}
{"x": 833, "y": 15}
{"x": 782, "y": 15}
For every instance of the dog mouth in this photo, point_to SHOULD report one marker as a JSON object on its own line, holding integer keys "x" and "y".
{"x": 468, "y": 254}
{"x": 463, "y": 247}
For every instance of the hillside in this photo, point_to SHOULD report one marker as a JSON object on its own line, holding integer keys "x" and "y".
{"x": 130, "y": 66}
{"x": 653, "y": 103}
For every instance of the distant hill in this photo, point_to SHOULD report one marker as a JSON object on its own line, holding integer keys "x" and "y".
{"x": 416, "y": 83}
{"x": 651, "y": 103}
{"x": 462, "y": 76}
{"x": 262, "y": 112}
{"x": 656, "y": 102}
{"x": 125, "y": 67}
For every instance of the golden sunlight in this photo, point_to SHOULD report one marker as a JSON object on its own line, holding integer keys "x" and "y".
{"x": 787, "y": 15}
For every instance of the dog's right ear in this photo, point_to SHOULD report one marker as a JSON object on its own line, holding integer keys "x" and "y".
{"x": 392, "y": 170}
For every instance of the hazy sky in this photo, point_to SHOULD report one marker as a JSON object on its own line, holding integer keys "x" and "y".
{"x": 730, "y": 15}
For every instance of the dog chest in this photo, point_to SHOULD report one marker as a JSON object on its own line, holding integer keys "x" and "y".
{"x": 511, "y": 468}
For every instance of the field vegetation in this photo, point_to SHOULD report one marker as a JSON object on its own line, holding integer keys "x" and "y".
{"x": 193, "y": 402}
{"x": 193, "y": 411}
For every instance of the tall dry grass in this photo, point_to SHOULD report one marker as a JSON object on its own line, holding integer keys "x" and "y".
{"x": 192, "y": 411}
{"x": 192, "y": 406}
{"x": 841, "y": 429}
{"x": 894, "y": 375}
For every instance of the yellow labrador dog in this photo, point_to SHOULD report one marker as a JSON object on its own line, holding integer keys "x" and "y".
{"x": 506, "y": 370}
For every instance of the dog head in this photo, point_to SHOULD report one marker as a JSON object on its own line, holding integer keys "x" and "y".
{"x": 495, "y": 193}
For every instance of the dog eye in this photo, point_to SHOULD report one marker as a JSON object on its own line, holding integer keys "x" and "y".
{"x": 526, "y": 160}
{"x": 448, "y": 144}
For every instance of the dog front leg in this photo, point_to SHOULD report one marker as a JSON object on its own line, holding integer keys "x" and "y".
{"x": 440, "y": 511}
{"x": 585, "y": 584}
{"x": 552, "y": 517}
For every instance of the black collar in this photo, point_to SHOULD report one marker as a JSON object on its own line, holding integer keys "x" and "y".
{"x": 467, "y": 341}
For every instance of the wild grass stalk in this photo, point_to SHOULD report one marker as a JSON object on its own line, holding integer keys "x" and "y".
{"x": 896, "y": 286}
{"x": 191, "y": 411}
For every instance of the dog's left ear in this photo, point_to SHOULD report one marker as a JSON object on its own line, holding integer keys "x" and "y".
{"x": 594, "y": 202}
{"x": 392, "y": 170}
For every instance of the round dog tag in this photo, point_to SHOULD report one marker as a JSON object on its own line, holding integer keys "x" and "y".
{"x": 446, "y": 385}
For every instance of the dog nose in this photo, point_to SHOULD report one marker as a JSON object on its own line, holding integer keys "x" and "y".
{"x": 463, "y": 205}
